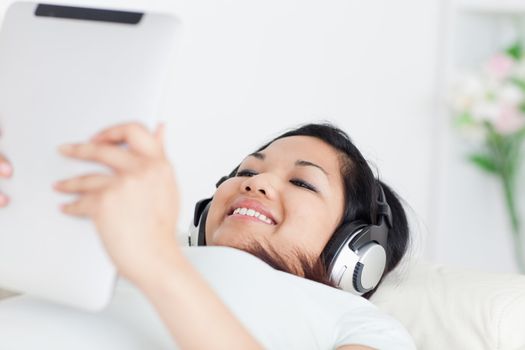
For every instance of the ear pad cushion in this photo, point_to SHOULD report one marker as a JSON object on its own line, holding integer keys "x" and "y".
{"x": 369, "y": 270}
{"x": 334, "y": 245}
{"x": 201, "y": 240}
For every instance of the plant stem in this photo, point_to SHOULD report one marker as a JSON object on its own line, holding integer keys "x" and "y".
{"x": 508, "y": 187}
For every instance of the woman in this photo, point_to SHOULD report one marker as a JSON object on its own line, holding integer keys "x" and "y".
{"x": 285, "y": 203}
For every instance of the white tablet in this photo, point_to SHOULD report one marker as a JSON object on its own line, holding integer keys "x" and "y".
{"x": 66, "y": 73}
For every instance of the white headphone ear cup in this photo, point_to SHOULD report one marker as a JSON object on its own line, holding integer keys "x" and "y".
{"x": 370, "y": 268}
{"x": 359, "y": 273}
{"x": 339, "y": 258}
{"x": 197, "y": 230}
{"x": 193, "y": 235}
{"x": 343, "y": 270}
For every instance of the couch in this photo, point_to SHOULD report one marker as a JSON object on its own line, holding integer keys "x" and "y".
{"x": 442, "y": 307}
{"x": 452, "y": 308}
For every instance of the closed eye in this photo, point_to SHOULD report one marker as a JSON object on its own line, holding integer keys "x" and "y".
{"x": 296, "y": 182}
{"x": 246, "y": 173}
{"x": 304, "y": 184}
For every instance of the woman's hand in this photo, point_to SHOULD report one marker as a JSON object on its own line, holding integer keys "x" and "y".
{"x": 6, "y": 170}
{"x": 135, "y": 209}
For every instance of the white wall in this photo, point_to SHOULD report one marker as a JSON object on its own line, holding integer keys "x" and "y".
{"x": 247, "y": 70}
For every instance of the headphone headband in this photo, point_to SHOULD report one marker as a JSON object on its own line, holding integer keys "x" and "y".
{"x": 383, "y": 209}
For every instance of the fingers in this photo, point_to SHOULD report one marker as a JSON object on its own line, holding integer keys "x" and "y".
{"x": 113, "y": 156}
{"x": 138, "y": 138}
{"x": 160, "y": 132}
{"x": 4, "y": 200}
{"x": 82, "y": 207}
{"x": 83, "y": 184}
{"x": 6, "y": 170}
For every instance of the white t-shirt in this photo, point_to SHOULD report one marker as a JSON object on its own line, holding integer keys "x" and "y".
{"x": 284, "y": 311}
{"x": 281, "y": 310}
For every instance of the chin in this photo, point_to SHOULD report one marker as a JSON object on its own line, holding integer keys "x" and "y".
{"x": 230, "y": 238}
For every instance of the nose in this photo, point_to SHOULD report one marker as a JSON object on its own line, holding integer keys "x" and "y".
{"x": 247, "y": 188}
{"x": 260, "y": 184}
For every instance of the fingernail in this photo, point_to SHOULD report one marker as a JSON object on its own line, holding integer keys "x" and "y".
{"x": 5, "y": 169}
{"x": 63, "y": 208}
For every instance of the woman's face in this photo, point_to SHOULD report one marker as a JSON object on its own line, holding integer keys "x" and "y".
{"x": 290, "y": 196}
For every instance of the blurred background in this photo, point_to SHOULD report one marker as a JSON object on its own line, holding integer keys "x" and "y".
{"x": 382, "y": 70}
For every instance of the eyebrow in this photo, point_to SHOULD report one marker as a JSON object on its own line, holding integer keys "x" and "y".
{"x": 298, "y": 162}
{"x": 257, "y": 155}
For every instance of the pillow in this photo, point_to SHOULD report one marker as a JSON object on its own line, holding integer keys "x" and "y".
{"x": 452, "y": 308}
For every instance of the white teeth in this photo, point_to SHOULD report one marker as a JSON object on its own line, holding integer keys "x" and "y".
{"x": 253, "y": 213}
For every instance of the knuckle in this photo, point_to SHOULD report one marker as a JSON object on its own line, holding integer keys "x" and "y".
{"x": 80, "y": 150}
{"x": 136, "y": 127}
{"x": 90, "y": 149}
{"x": 67, "y": 184}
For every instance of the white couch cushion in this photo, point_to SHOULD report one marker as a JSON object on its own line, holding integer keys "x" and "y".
{"x": 450, "y": 308}
{"x": 129, "y": 322}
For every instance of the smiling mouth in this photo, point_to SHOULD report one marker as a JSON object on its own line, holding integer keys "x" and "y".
{"x": 254, "y": 214}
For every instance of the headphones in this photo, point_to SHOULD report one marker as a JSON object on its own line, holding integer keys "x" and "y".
{"x": 355, "y": 256}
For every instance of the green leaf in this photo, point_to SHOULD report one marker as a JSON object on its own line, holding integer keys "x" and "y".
{"x": 522, "y": 106}
{"x": 485, "y": 162}
{"x": 515, "y": 51}
{"x": 463, "y": 119}
{"x": 519, "y": 82}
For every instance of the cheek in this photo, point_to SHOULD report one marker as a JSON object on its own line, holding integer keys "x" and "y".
{"x": 308, "y": 226}
{"x": 217, "y": 209}
{"x": 211, "y": 221}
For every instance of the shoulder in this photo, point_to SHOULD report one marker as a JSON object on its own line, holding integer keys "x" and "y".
{"x": 369, "y": 326}
{"x": 355, "y": 319}
{"x": 256, "y": 293}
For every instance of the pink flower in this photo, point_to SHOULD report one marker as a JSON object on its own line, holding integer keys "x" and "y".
{"x": 499, "y": 66}
{"x": 510, "y": 120}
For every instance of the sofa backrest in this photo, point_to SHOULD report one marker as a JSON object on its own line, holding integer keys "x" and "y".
{"x": 449, "y": 308}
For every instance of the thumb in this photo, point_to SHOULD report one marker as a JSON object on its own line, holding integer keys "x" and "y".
{"x": 159, "y": 133}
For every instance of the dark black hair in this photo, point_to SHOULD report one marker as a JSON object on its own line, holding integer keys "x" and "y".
{"x": 361, "y": 193}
